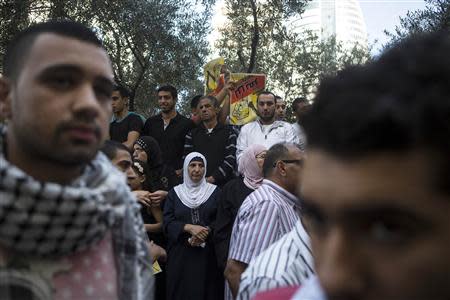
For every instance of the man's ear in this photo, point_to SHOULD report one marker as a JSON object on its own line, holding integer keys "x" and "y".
{"x": 5, "y": 97}
{"x": 281, "y": 168}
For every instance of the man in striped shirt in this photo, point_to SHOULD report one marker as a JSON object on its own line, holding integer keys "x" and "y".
{"x": 288, "y": 262}
{"x": 266, "y": 214}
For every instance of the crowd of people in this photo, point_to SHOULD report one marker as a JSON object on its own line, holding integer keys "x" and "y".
{"x": 349, "y": 202}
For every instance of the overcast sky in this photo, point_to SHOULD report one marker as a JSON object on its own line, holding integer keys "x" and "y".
{"x": 383, "y": 15}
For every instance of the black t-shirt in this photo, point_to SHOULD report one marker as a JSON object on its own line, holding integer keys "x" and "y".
{"x": 171, "y": 139}
{"x": 119, "y": 129}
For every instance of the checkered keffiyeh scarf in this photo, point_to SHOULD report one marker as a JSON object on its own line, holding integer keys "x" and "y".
{"x": 48, "y": 219}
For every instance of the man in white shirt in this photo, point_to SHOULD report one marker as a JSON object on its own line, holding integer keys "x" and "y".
{"x": 265, "y": 130}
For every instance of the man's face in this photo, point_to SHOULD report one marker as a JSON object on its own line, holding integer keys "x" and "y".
{"x": 266, "y": 108}
{"x": 379, "y": 228}
{"x": 166, "y": 101}
{"x": 60, "y": 105}
{"x": 123, "y": 162}
{"x": 119, "y": 103}
{"x": 300, "y": 110}
{"x": 293, "y": 167}
{"x": 280, "y": 109}
{"x": 207, "y": 110}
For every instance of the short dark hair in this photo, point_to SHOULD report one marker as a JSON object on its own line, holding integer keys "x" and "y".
{"x": 266, "y": 93}
{"x": 20, "y": 46}
{"x": 195, "y": 100}
{"x": 168, "y": 88}
{"x": 297, "y": 101}
{"x": 212, "y": 99}
{"x": 398, "y": 103}
{"x": 275, "y": 153}
{"x": 111, "y": 147}
{"x": 123, "y": 91}
{"x": 277, "y": 97}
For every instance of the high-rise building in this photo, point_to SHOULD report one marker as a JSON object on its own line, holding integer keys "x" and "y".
{"x": 340, "y": 18}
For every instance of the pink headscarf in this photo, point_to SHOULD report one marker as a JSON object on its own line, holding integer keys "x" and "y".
{"x": 248, "y": 166}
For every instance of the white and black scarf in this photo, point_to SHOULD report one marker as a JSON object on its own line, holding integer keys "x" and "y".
{"x": 48, "y": 219}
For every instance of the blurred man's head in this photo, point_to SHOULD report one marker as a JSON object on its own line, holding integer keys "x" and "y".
{"x": 280, "y": 108}
{"x": 266, "y": 107}
{"x": 299, "y": 108}
{"x": 376, "y": 182}
{"x": 56, "y": 95}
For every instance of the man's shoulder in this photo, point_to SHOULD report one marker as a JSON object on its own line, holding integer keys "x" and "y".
{"x": 282, "y": 124}
{"x": 153, "y": 120}
{"x": 249, "y": 126}
{"x": 257, "y": 200}
{"x": 180, "y": 118}
{"x": 134, "y": 116}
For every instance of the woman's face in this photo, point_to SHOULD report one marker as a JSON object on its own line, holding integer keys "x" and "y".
{"x": 196, "y": 169}
{"x": 135, "y": 180}
{"x": 260, "y": 157}
{"x": 139, "y": 153}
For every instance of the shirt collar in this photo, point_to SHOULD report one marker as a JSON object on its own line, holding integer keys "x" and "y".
{"x": 275, "y": 124}
{"x": 290, "y": 198}
{"x": 174, "y": 119}
{"x": 114, "y": 119}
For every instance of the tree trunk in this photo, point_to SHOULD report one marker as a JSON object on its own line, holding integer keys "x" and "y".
{"x": 255, "y": 38}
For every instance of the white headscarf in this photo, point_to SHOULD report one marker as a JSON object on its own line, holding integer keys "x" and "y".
{"x": 193, "y": 194}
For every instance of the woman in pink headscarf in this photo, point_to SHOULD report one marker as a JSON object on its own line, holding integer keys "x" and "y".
{"x": 232, "y": 196}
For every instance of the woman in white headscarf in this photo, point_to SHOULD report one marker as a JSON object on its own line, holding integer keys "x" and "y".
{"x": 189, "y": 215}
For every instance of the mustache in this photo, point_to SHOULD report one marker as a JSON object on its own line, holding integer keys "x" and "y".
{"x": 80, "y": 123}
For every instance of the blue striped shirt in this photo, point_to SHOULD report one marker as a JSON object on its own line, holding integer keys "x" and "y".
{"x": 288, "y": 262}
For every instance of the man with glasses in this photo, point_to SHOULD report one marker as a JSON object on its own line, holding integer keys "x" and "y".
{"x": 266, "y": 214}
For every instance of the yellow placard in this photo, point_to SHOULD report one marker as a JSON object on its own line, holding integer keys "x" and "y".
{"x": 212, "y": 71}
{"x": 244, "y": 96}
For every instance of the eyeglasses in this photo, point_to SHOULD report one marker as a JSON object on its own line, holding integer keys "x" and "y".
{"x": 298, "y": 162}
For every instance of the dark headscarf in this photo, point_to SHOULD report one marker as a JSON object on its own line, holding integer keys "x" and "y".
{"x": 154, "y": 153}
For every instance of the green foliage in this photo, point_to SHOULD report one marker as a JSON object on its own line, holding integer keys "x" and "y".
{"x": 150, "y": 42}
{"x": 435, "y": 17}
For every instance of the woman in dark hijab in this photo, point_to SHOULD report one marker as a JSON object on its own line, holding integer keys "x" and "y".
{"x": 160, "y": 179}
{"x": 160, "y": 176}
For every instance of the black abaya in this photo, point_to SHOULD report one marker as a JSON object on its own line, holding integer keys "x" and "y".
{"x": 192, "y": 272}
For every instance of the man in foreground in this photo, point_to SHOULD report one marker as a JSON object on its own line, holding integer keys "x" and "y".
{"x": 69, "y": 226}
{"x": 376, "y": 183}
